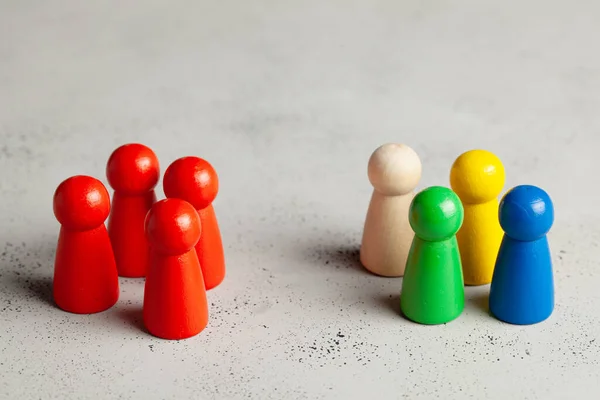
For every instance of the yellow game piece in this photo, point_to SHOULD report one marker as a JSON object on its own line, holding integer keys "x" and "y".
{"x": 477, "y": 177}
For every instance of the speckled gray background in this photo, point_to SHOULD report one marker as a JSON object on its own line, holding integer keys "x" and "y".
{"x": 288, "y": 100}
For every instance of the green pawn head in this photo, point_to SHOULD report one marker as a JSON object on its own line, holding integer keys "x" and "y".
{"x": 436, "y": 214}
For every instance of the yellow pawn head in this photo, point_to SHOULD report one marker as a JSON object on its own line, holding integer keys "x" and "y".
{"x": 477, "y": 176}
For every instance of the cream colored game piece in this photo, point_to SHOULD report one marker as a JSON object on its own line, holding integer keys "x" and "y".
{"x": 394, "y": 171}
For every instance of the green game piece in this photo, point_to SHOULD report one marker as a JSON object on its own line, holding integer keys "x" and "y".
{"x": 433, "y": 286}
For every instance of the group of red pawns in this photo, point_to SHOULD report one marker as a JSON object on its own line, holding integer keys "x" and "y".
{"x": 175, "y": 243}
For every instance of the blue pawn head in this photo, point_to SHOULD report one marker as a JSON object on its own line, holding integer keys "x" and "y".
{"x": 526, "y": 213}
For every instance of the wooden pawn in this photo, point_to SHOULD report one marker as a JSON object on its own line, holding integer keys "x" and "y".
{"x": 394, "y": 170}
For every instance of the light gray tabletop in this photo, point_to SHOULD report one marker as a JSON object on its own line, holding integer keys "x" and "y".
{"x": 288, "y": 100}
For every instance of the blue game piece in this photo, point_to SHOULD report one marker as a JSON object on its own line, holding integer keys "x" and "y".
{"x": 522, "y": 289}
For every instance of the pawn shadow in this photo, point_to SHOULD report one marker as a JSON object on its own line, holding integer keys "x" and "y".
{"x": 345, "y": 257}
{"x": 477, "y": 298}
{"x": 32, "y": 286}
{"x": 390, "y": 302}
{"x": 132, "y": 316}
{"x": 342, "y": 257}
{"x": 26, "y": 270}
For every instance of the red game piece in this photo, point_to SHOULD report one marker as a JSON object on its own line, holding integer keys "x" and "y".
{"x": 133, "y": 172}
{"x": 194, "y": 180}
{"x": 85, "y": 275}
{"x": 175, "y": 305}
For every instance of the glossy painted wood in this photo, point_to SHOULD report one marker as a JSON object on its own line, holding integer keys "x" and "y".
{"x": 477, "y": 177}
{"x": 133, "y": 172}
{"x": 394, "y": 170}
{"x": 522, "y": 289}
{"x": 433, "y": 286}
{"x": 175, "y": 304}
{"x": 85, "y": 275}
{"x": 194, "y": 180}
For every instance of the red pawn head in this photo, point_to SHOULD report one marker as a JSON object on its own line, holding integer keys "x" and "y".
{"x": 191, "y": 179}
{"x": 133, "y": 169}
{"x": 172, "y": 227}
{"x": 81, "y": 203}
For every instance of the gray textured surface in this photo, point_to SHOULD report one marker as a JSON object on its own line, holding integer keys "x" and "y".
{"x": 288, "y": 100}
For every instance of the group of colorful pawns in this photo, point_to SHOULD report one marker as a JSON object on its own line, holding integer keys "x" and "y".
{"x": 438, "y": 240}
{"x": 442, "y": 239}
{"x": 175, "y": 243}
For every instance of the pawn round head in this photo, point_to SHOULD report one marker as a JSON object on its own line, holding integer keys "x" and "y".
{"x": 435, "y": 214}
{"x": 394, "y": 169}
{"x": 526, "y": 213}
{"x": 133, "y": 169}
{"x": 477, "y": 176}
{"x": 81, "y": 203}
{"x": 172, "y": 226}
{"x": 193, "y": 180}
